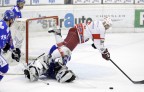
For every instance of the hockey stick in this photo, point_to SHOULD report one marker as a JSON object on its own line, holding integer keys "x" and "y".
{"x": 38, "y": 57}
{"x": 42, "y": 81}
{"x": 35, "y": 58}
{"x": 25, "y": 65}
{"x": 135, "y": 82}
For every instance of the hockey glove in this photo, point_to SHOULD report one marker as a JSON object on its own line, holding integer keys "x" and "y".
{"x": 6, "y": 48}
{"x": 106, "y": 55}
{"x": 93, "y": 46}
{"x": 16, "y": 54}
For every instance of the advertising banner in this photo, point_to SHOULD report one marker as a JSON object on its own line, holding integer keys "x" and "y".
{"x": 139, "y": 18}
{"x": 9, "y": 2}
{"x": 0, "y": 2}
{"x": 139, "y": 1}
{"x": 1, "y": 15}
{"x": 13, "y": 2}
{"x": 69, "y": 16}
{"x": 112, "y": 1}
{"x": 129, "y": 1}
{"x": 39, "y": 2}
{"x": 87, "y": 1}
{"x": 119, "y": 17}
{"x": 118, "y": 1}
{"x": 28, "y": 2}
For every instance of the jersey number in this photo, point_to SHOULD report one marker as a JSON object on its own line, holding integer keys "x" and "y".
{"x": 3, "y": 37}
{"x": 1, "y": 27}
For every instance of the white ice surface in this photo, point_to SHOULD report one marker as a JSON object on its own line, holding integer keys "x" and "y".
{"x": 94, "y": 74}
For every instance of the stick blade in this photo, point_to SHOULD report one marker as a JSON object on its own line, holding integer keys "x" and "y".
{"x": 139, "y": 82}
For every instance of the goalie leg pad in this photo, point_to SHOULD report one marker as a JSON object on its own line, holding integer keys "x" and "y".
{"x": 63, "y": 74}
{"x": 32, "y": 73}
{"x": 37, "y": 68}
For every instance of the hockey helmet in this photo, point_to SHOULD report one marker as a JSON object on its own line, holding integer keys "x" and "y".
{"x": 8, "y": 15}
{"x": 20, "y": 1}
{"x": 107, "y": 22}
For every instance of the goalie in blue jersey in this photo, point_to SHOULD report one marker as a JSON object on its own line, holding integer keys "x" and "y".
{"x": 6, "y": 42}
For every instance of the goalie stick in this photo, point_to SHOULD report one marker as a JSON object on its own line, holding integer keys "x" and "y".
{"x": 42, "y": 81}
{"x": 25, "y": 65}
{"x": 135, "y": 82}
{"x": 38, "y": 57}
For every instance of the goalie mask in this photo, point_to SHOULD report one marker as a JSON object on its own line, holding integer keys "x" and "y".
{"x": 107, "y": 22}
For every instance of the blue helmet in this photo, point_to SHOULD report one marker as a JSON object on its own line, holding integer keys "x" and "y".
{"x": 8, "y": 15}
{"x": 20, "y": 1}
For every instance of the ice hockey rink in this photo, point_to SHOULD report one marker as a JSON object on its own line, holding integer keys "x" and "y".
{"x": 94, "y": 74}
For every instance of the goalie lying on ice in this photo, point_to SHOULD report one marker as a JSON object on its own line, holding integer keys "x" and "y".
{"x": 52, "y": 68}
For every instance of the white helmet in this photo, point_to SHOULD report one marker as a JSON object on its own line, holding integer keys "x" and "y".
{"x": 108, "y": 21}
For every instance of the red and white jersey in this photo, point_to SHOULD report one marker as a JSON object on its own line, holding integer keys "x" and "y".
{"x": 82, "y": 33}
{"x": 92, "y": 30}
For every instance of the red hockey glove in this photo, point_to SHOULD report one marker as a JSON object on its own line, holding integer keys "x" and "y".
{"x": 106, "y": 55}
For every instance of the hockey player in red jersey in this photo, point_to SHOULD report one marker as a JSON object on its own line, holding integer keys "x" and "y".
{"x": 81, "y": 33}
{"x": 54, "y": 64}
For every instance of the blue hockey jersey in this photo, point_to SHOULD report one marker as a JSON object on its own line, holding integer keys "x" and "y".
{"x": 17, "y": 11}
{"x": 5, "y": 35}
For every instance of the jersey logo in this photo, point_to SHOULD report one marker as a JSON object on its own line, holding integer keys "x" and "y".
{"x": 80, "y": 28}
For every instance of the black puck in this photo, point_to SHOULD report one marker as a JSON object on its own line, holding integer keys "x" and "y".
{"x": 111, "y": 88}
